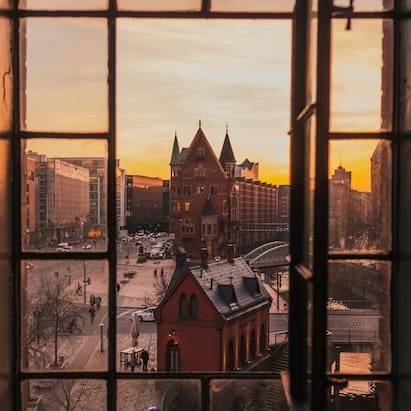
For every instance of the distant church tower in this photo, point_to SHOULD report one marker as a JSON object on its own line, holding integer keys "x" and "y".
{"x": 227, "y": 158}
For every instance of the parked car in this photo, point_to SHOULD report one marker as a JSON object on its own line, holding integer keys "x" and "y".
{"x": 86, "y": 246}
{"x": 145, "y": 315}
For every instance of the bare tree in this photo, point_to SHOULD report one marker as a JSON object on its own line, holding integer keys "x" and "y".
{"x": 53, "y": 313}
{"x": 69, "y": 394}
{"x": 160, "y": 286}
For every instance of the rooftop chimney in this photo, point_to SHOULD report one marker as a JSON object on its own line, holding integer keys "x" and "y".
{"x": 230, "y": 253}
{"x": 211, "y": 283}
{"x": 204, "y": 257}
{"x": 181, "y": 257}
{"x": 231, "y": 279}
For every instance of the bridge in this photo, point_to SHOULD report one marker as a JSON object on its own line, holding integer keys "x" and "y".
{"x": 272, "y": 254}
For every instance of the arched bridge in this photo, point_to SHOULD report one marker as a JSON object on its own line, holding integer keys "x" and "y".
{"x": 271, "y": 254}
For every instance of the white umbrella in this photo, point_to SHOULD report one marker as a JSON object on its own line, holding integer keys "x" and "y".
{"x": 135, "y": 330}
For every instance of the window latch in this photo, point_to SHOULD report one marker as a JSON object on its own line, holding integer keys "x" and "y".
{"x": 338, "y": 382}
{"x": 346, "y": 12}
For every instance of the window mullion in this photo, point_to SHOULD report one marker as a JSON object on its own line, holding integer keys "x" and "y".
{"x": 111, "y": 209}
{"x": 320, "y": 249}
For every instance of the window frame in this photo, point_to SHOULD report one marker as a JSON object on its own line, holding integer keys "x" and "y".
{"x": 111, "y": 14}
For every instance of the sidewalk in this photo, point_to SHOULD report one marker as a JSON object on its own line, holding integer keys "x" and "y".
{"x": 283, "y": 307}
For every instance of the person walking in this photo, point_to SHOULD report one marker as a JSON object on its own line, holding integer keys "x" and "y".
{"x": 98, "y": 303}
{"x": 155, "y": 273}
{"x": 118, "y": 288}
{"x": 92, "y": 299}
{"x": 133, "y": 361}
{"x": 92, "y": 312}
{"x": 145, "y": 357}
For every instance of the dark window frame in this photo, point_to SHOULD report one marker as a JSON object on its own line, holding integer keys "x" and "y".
{"x": 297, "y": 376}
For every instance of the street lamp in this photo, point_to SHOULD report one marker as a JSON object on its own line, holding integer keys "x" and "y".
{"x": 101, "y": 337}
{"x": 84, "y": 282}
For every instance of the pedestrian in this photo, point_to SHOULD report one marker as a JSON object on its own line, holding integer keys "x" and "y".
{"x": 98, "y": 303}
{"x": 92, "y": 312}
{"x": 145, "y": 357}
{"x": 92, "y": 299}
{"x": 162, "y": 272}
{"x": 118, "y": 288}
{"x": 78, "y": 288}
{"x": 133, "y": 361}
{"x": 155, "y": 273}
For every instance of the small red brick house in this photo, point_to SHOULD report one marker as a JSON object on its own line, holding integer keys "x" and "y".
{"x": 214, "y": 317}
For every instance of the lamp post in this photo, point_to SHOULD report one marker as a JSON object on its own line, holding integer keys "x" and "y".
{"x": 84, "y": 282}
{"x": 101, "y": 337}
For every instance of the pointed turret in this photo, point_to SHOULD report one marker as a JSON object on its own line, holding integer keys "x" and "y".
{"x": 175, "y": 155}
{"x": 227, "y": 153}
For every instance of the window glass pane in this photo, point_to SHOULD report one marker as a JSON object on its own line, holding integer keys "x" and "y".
{"x": 165, "y": 60}
{"x": 63, "y": 4}
{"x": 406, "y": 4}
{"x": 359, "y": 324}
{"x": 64, "y": 84}
{"x": 360, "y": 86}
{"x": 64, "y": 195}
{"x": 160, "y": 5}
{"x": 366, "y": 5}
{"x": 255, "y": 5}
{"x": 64, "y": 312}
{"x": 142, "y": 395}
{"x": 5, "y": 4}
{"x": 63, "y": 394}
{"x": 6, "y": 112}
{"x": 405, "y": 90}
{"x": 261, "y": 395}
{"x": 361, "y": 395}
{"x": 360, "y": 195}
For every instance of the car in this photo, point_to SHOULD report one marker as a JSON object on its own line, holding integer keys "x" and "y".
{"x": 86, "y": 246}
{"x": 147, "y": 314}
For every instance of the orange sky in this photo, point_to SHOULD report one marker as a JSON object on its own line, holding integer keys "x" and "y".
{"x": 173, "y": 73}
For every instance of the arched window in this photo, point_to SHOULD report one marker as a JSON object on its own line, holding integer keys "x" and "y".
{"x": 173, "y": 356}
{"x": 230, "y": 356}
{"x": 242, "y": 358}
{"x": 193, "y": 307}
{"x": 262, "y": 339}
{"x": 252, "y": 345}
{"x": 183, "y": 307}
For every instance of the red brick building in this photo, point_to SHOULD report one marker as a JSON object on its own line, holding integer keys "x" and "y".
{"x": 214, "y": 317}
{"x": 212, "y": 198}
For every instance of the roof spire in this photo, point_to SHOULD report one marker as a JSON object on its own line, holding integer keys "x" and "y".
{"x": 226, "y": 129}
{"x": 175, "y": 154}
{"x": 199, "y": 123}
{"x": 227, "y": 153}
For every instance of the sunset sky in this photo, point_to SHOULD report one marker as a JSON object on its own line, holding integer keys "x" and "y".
{"x": 173, "y": 73}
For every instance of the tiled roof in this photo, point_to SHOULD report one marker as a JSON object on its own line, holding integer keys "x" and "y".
{"x": 235, "y": 286}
